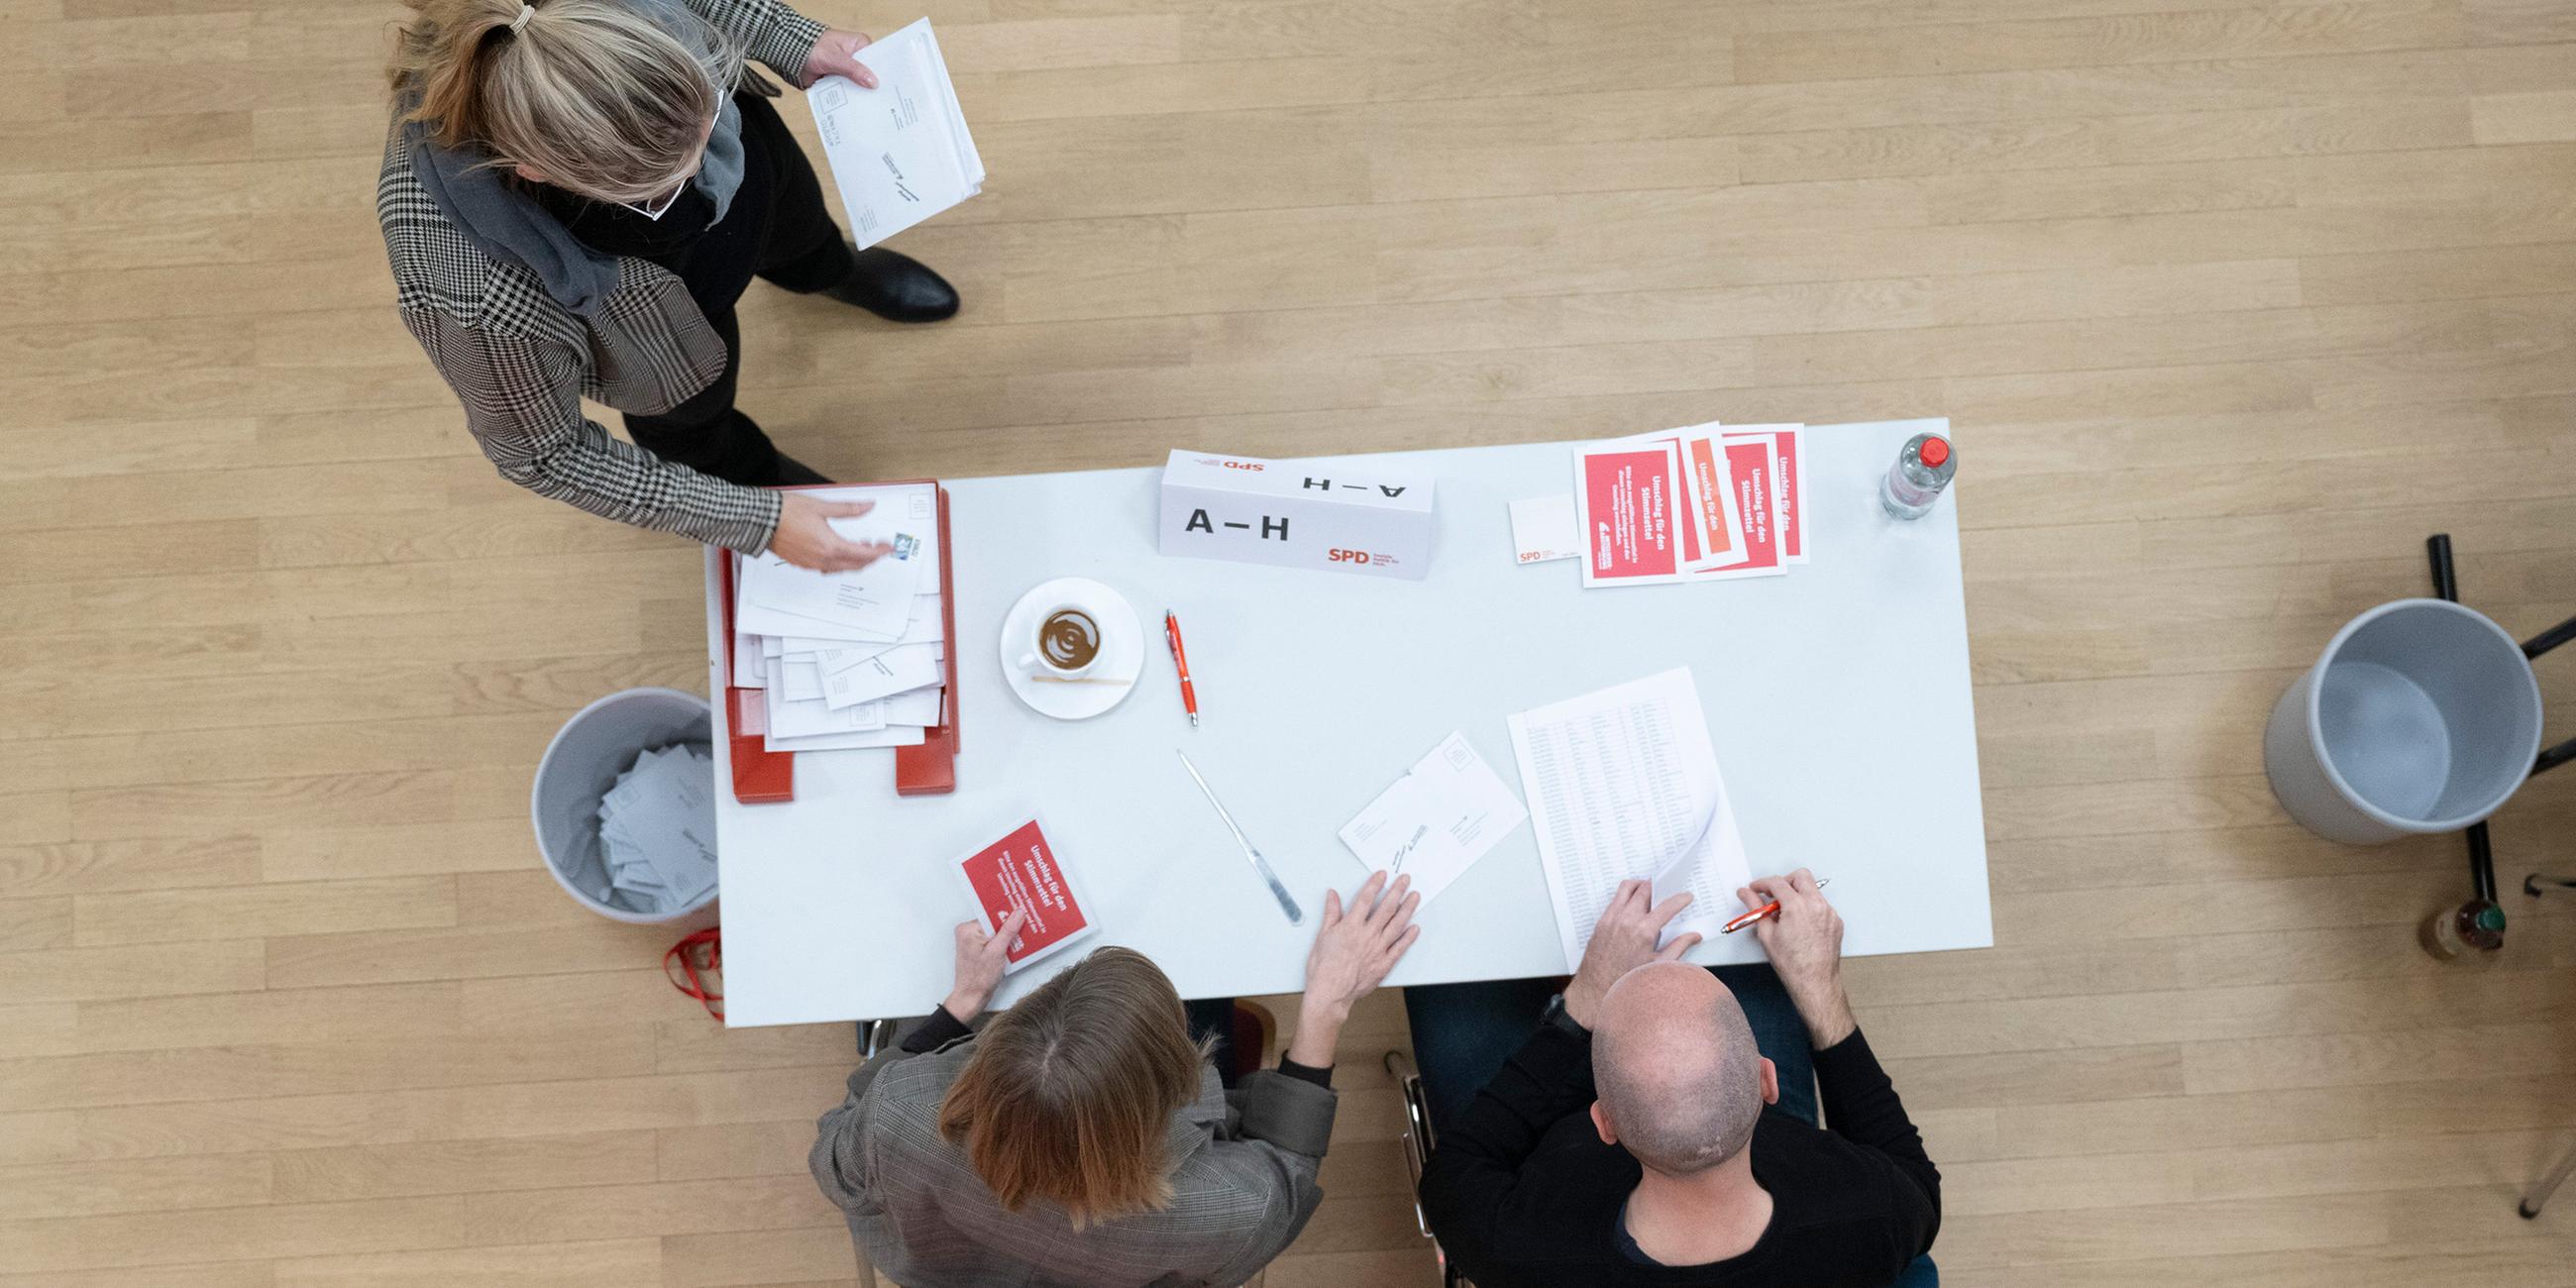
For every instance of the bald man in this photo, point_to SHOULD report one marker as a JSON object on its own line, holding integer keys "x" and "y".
{"x": 1645, "y": 1135}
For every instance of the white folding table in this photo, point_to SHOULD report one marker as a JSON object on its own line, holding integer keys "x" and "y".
{"x": 1837, "y": 696}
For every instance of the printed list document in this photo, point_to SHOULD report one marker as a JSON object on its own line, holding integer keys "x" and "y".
{"x": 1442, "y": 816}
{"x": 1623, "y": 784}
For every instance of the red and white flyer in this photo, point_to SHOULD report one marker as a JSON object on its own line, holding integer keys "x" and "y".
{"x": 1712, "y": 535}
{"x": 1754, "y": 463}
{"x": 1789, "y": 485}
{"x": 1628, "y": 511}
{"x": 1022, "y": 871}
{"x": 1714, "y": 508}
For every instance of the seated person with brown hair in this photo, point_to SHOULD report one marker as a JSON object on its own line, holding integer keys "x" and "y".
{"x": 1082, "y": 1137}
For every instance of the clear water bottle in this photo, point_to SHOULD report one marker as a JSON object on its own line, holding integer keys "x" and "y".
{"x": 2473, "y": 932}
{"x": 1916, "y": 480}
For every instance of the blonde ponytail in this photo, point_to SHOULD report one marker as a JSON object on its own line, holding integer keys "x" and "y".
{"x": 599, "y": 96}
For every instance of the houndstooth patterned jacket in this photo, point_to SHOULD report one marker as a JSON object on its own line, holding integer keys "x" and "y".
{"x": 521, "y": 363}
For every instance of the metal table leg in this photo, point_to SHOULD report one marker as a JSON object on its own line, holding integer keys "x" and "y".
{"x": 2446, "y": 584}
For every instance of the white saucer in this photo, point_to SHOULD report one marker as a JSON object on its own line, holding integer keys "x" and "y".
{"x": 1122, "y": 649}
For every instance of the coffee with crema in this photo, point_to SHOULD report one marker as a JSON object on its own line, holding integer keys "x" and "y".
{"x": 1068, "y": 639}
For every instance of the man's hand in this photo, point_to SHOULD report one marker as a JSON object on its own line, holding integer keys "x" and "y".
{"x": 980, "y": 959}
{"x": 1351, "y": 954}
{"x": 836, "y": 53}
{"x": 1623, "y": 940}
{"x": 805, "y": 539}
{"x": 1805, "y": 943}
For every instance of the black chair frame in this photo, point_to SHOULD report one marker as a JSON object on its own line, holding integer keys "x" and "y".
{"x": 2482, "y": 882}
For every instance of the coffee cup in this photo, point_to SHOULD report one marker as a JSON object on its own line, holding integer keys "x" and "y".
{"x": 1066, "y": 644}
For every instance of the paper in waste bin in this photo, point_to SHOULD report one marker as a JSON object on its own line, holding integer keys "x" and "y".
{"x": 657, "y": 831}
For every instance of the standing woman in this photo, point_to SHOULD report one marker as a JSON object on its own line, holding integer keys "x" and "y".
{"x": 574, "y": 194}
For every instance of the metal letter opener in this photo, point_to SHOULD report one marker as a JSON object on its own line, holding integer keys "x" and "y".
{"x": 1259, "y": 864}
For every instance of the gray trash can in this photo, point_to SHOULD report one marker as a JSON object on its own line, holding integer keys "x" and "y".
{"x": 2421, "y": 716}
{"x": 585, "y": 758}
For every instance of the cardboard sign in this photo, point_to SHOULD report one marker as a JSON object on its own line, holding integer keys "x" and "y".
{"x": 1349, "y": 514}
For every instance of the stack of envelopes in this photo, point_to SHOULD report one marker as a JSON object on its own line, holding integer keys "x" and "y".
{"x": 849, "y": 659}
{"x": 900, "y": 152}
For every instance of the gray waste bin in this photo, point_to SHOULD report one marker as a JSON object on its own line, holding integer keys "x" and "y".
{"x": 600, "y": 742}
{"x": 2422, "y": 716}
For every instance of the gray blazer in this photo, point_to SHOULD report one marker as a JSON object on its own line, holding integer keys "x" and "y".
{"x": 1242, "y": 1187}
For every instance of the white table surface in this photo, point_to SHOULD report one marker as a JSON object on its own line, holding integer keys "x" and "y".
{"x": 1837, "y": 696}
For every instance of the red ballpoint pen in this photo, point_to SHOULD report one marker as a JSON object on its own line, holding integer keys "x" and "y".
{"x": 1181, "y": 662}
{"x": 1767, "y": 910}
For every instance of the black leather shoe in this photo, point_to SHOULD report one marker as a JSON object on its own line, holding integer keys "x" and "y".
{"x": 896, "y": 287}
{"x": 790, "y": 471}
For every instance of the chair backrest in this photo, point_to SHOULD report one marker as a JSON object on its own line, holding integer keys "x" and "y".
{"x": 1419, "y": 1140}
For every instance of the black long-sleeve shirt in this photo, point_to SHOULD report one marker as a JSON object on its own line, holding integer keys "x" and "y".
{"x": 1521, "y": 1191}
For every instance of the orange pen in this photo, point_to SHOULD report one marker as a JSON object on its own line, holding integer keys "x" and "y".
{"x": 1181, "y": 662}
{"x": 1766, "y": 910}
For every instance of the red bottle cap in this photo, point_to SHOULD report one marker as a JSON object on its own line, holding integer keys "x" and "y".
{"x": 1935, "y": 451}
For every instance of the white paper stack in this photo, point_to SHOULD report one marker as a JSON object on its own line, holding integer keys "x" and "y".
{"x": 657, "y": 831}
{"x": 850, "y": 659}
{"x": 900, "y": 152}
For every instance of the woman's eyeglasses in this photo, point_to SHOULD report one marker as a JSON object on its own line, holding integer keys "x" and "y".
{"x": 657, "y": 209}
{"x": 669, "y": 199}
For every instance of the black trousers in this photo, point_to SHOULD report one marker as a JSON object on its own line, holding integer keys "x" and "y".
{"x": 778, "y": 230}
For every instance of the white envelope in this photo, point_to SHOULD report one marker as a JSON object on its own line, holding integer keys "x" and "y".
{"x": 890, "y": 736}
{"x": 918, "y": 708}
{"x": 875, "y": 601}
{"x": 801, "y": 719}
{"x": 903, "y": 667}
{"x": 774, "y": 597}
{"x": 899, "y": 153}
{"x": 925, "y": 626}
{"x": 799, "y": 681}
{"x": 747, "y": 671}
{"x": 1442, "y": 816}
